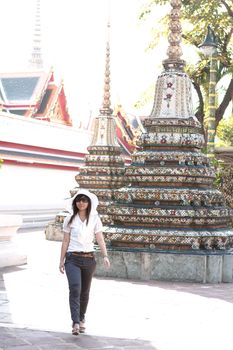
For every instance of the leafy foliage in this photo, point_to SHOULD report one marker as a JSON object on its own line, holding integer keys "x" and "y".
{"x": 196, "y": 16}
{"x": 225, "y": 131}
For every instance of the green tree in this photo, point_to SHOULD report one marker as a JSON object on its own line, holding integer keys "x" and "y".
{"x": 196, "y": 16}
{"x": 225, "y": 131}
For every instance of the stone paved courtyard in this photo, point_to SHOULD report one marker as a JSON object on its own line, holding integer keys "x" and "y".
{"x": 122, "y": 314}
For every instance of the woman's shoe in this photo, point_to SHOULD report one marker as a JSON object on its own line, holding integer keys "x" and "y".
{"x": 82, "y": 327}
{"x": 75, "y": 329}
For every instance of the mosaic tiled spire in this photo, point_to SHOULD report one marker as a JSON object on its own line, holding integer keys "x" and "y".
{"x": 174, "y": 51}
{"x": 36, "y": 61}
{"x": 104, "y": 165}
{"x": 171, "y": 203}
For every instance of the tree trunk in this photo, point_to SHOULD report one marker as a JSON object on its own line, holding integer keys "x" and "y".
{"x": 225, "y": 102}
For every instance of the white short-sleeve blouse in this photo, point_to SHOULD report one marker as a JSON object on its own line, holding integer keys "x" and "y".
{"x": 81, "y": 234}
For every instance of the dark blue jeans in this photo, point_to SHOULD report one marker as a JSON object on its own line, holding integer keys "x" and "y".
{"x": 79, "y": 272}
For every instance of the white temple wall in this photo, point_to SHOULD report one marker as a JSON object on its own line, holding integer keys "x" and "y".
{"x": 28, "y": 131}
{"x": 32, "y": 188}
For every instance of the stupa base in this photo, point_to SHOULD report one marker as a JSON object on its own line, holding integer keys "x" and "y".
{"x": 169, "y": 239}
{"x": 188, "y": 266}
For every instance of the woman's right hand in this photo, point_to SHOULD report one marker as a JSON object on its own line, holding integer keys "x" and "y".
{"x": 62, "y": 267}
{"x": 106, "y": 262}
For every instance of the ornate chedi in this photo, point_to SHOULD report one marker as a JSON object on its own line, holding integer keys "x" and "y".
{"x": 104, "y": 165}
{"x": 171, "y": 203}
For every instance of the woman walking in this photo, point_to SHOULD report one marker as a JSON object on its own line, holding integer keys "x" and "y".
{"x": 77, "y": 258}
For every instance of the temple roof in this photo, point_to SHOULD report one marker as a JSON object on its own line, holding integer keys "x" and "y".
{"x": 34, "y": 94}
{"x": 23, "y": 87}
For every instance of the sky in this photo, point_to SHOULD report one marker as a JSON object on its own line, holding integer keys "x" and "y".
{"x": 74, "y": 34}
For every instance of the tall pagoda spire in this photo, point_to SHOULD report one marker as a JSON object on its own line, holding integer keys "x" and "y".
{"x": 36, "y": 61}
{"x": 106, "y": 104}
{"x": 105, "y": 124}
{"x": 104, "y": 165}
{"x": 171, "y": 203}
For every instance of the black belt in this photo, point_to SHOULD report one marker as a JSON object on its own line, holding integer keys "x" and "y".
{"x": 83, "y": 254}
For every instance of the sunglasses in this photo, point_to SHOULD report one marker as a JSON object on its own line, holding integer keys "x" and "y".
{"x": 82, "y": 199}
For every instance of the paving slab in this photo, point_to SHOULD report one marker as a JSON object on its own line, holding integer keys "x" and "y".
{"x": 122, "y": 314}
{"x": 31, "y": 339}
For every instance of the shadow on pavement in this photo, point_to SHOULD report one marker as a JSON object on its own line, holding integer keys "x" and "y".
{"x": 31, "y": 339}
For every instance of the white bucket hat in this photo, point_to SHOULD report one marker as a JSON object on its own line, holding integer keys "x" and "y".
{"x": 93, "y": 198}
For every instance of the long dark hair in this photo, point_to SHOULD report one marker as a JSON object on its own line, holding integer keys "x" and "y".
{"x": 76, "y": 210}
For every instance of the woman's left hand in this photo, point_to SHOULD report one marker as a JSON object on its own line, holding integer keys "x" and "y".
{"x": 106, "y": 262}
